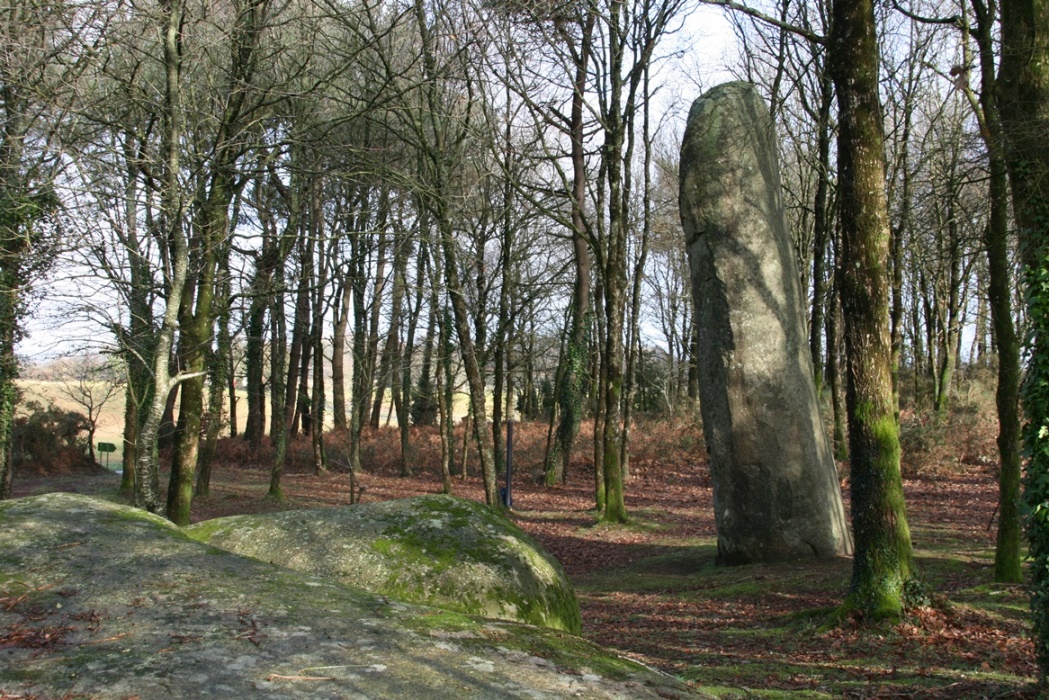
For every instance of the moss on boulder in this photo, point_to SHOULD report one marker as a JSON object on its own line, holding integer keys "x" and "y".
{"x": 106, "y": 601}
{"x": 437, "y": 550}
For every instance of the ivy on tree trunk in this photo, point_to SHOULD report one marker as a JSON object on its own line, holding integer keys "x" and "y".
{"x": 1023, "y": 81}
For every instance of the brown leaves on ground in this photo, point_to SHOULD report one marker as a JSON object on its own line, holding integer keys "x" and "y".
{"x": 33, "y": 637}
{"x": 650, "y": 589}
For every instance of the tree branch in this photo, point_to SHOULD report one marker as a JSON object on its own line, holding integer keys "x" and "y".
{"x": 768, "y": 19}
{"x": 954, "y": 20}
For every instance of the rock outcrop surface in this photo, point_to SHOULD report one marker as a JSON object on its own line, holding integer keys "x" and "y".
{"x": 776, "y": 491}
{"x": 105, "y": 601}
{"x": 442, "y": 551}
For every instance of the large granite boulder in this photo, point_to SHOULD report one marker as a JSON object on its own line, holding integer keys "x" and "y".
{"x": 104, "y": 601}
{"x": 776, "y": 490}
{"x": 436, "y": 550}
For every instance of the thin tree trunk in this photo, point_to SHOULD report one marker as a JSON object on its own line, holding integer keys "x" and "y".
{"x": 841, "y": 444}
{"x": 405, "y": 373}
{"x": 299, "y": 335}
{"x": 139, "y": 341}
{"x": 320, "y": 285}
{"x": 338, "y": 362}
{"x": 375, "y": 379}
{"x": 444, "y": 400}
{"x": 278, "y": 393}
{"x": 634, "y": 332}
{"x": 574, "y": 358}
{"x": 219, "y": 372}
{"x": 1008, "y": 551}
{"x": 147, "y": 479}
{"x": 600, "y": 383}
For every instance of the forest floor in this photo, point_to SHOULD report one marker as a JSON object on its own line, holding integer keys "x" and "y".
{"x": 650, "y": 589}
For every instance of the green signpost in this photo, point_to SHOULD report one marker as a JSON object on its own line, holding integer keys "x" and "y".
{"x": 107, "y": 447}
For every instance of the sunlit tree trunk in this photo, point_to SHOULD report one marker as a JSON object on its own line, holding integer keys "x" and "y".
{"x": 147, "y": 478}
{"x": 318, "y": 303}
{"x": 883, "y": 558}
{"x": 219, "y": 370}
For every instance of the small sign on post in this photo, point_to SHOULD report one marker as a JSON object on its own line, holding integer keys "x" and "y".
{"x": 107, "y": 447}
{"x": 508, "y": 496}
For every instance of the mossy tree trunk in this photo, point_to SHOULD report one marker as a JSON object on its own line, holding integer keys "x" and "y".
{"x": 278, "y": 371}
{"x": 147, "y": 467}
{"x": 9, "y": 314}
{"x": 196, "y": 324}
{"x": 1023, "y": 81}
{"x": 883, "y": 557}
{"x": 218, "y": 184}
{"x": 1008, "y": 550}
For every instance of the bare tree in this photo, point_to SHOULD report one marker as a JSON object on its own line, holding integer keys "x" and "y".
{"x": 90, "y": 382}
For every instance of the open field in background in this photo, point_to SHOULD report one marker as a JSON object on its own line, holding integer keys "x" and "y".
{"x": 110, "y": 423}
{"x": 111, "y": 418}
{"x": 650, "y": 589}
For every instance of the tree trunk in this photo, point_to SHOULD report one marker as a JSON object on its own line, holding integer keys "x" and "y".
{"x": 444, "y": 400}
{"x": 599, "y": 382}
{"x": 574, "y": 358}
{"x": 338, "y": 351}
{"x": 262, "y": 289}
{"x": 1008, "y": 551}
{"x": 299, "y": 335}
{"x": 821, "y": 230}
{"x": 1024, "y": 109}
{"x": 138, "y": 342}
{"x": 147, "y": 478}
{"x": 950, "y": 325}
{"x": 319, "y": 285}
{"x": 424, "y": 402}
{"x": 360, "y": 379}
{"x": 883, "y": 558}
{"x": 555, "y": 471}
{"x": 278, "y": 411}
{"x": 404, "y": 373}
{"x": 372, "y": 375}
{"x": 219, "y": 371}
{"x": 195, "y": 326}
{"x": 839, "y": 437}
{"x": 614, "y": 274}
{"x": 633, "y": 341}
{"x": 474, "y": 381}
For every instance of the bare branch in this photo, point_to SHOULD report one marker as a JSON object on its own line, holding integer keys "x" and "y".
{"x": 953, "y": 20}
{"x": 768, "y": 19}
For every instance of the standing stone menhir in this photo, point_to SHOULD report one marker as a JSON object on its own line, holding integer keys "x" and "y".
{"x": 776, "y": 490}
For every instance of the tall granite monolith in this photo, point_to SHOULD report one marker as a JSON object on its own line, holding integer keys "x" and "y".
{"x": 776, "y": 490}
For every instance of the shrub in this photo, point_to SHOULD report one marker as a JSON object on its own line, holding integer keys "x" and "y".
{"x": 50, "y": 440}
